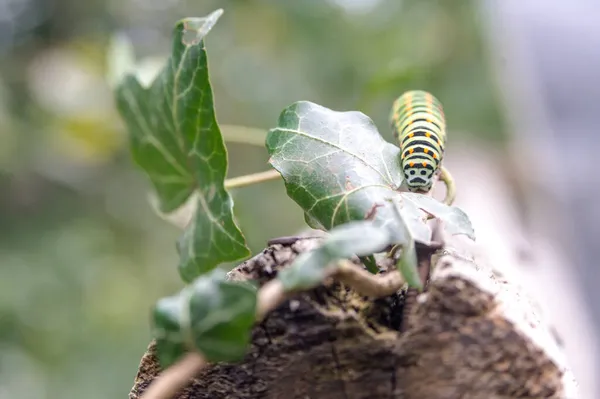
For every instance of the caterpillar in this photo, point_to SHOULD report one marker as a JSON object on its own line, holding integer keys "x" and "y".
{"x": 419, "y": 125}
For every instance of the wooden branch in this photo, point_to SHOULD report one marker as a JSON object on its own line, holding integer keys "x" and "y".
{"x": 472, "y": 334}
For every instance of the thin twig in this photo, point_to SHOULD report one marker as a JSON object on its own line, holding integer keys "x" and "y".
{"x": 365, "y": 283}
{"x": 424, "y": 268}
{"x": 424, "y": 255}
{"x": 176, "y": 377}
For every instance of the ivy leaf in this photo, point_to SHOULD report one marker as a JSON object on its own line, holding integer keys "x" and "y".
{"x": 170, "y": 343}
{"x": 408, "y": 266}
{"x": 120, "y": 57}
{"x": 370, "y": 263}
{"x": 212, "y": 315}
{"x": 174, "y": 137}
{"x": 360, "y": 238}
{"x": 338, "y": 168}
{"x": 335, "y": 164}
{"x": 455, "y": 219}
{"x": 312, "y": 222}
{"x": 408, "y": 263}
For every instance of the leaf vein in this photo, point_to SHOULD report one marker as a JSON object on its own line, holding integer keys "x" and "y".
{"x": 149, "y": 137}
{"x": 175, "y": 105}
{"x": 361, "y": 159}
{"x": 346, "y": 194}
{"x": 152, "y": 140}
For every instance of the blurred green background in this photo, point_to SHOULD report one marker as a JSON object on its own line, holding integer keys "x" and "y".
{"x": 82, "y": 256}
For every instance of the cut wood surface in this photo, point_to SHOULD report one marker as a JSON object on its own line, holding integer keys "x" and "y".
{"x": 462, "y": 341}
{"x": 474, "y": 334}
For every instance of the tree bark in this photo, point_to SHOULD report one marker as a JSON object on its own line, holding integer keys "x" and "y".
{"x": 472, "y": 335}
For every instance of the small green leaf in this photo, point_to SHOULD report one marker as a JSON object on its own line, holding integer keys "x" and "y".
{"x": 312, "y": 222}
{"x": 354, "y": 238}
{"x": 455, "y": 219}
{"x": 338, "y": 168}
{"x": 307, "y": 271}
{"x": 175, "y": 138}
{"x": 370, "y": 263}
{"x": 411, "y": 219}
{"x": 212, "y": 315}
{"x": 358, "y": 238}
{"x": 408, "y": 263}
{"x": 170, "y": 343}
{"x": 408, "y": 266}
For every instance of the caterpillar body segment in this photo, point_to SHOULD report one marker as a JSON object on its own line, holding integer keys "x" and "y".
{"x": 420, "y": 127}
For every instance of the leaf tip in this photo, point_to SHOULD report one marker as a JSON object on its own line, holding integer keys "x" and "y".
{"x": 120, "y": 58}
{"x": 194, "y": 29}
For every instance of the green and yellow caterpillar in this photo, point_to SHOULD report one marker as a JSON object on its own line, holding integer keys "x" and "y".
{"x": 419, "y": 125}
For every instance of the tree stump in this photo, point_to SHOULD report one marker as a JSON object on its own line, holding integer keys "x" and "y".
{"x": 471, "y": 335}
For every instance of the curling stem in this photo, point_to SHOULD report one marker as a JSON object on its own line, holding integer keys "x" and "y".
{"x": 446, "y": 177}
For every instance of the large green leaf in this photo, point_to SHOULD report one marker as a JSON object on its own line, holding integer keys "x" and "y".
{"x": 338, "y": 168}
{"x": 211, "y": 315}
{"x": 175, "y": 138}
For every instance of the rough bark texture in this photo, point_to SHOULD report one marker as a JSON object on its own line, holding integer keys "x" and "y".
{"x": 460, "y": 342}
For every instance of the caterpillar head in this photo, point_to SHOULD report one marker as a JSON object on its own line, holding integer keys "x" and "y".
{"x": 419, "y": 178}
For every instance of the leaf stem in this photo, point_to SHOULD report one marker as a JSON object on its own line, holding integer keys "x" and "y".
{"x": 244, "y": 135}
{"x": 254, "y": 178}
{"x": 446, "y": 177}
